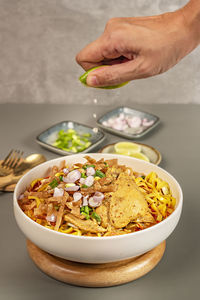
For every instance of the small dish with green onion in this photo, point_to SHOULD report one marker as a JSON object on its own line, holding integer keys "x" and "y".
{"x": 69, "y": 137}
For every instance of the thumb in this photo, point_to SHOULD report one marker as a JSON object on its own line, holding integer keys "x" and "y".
{"x": 115, "y": 74}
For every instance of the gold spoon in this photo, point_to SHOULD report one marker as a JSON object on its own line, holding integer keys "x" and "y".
{"x": 28, "y": 163}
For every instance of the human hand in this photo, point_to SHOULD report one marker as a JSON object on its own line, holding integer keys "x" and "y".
{"x": 137, "y": 48}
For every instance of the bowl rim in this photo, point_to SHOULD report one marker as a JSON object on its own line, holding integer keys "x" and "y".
{"x": 177, "y": 210}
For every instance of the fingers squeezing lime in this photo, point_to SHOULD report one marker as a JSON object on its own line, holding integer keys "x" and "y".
{"x": 83, "y": 79}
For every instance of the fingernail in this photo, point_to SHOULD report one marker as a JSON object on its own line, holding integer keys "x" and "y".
{"x": 92, "y": 80}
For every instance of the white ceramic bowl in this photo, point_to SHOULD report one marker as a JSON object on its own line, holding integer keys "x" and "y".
{"x": 97, "y": 249}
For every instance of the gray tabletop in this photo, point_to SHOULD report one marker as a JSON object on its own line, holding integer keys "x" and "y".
{"x": 177, "y": 138}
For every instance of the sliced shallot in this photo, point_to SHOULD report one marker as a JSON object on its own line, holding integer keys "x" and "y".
{"x": 82, "y": 180}
{"x": 58, "y": 192}
{"x": 89, "y": 181}
{"x": 90, "y": 171}
{"x": 134, "y": 122}
{"x": 77, "y": 196}
{"x": 93, "y": 203}
{"x": 72, "y": 176}
{"x": 147, "y": 123}
{"x": 119, "y": 126}
{"x": 66, "y": 170}
{"x": 125, "y": 122}
{"x": 85, "y": 200}
{"x": 72, "y": 188}
{"x": 98, "y": 196}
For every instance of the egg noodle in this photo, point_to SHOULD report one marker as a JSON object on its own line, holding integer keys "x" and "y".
{"x": 69, "y": 207}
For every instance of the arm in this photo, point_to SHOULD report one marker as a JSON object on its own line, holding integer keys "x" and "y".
{"x": 191, "y": 14}
{"x": 141, "y": 47}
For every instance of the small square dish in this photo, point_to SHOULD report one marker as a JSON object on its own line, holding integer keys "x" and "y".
{"x": 127, "y": 122}
{"x": 48, "y": 137}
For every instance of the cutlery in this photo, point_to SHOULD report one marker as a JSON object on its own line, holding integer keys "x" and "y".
{"x": 8, "y": 180}
{"x": 10, "y": 162}
{"x": 28, "y": 163}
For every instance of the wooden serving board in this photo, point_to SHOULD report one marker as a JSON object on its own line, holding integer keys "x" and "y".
{"x": 95, "y": 275}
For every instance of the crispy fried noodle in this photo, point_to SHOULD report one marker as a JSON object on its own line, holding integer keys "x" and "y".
{"x": 97, "y": 198}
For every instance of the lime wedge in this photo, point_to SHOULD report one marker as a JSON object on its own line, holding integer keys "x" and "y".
{"x": 83, "y": 79}
{"x": 140, "y": 156}
{"x": 124, "y": 153}
{"x": 127, "y": 148}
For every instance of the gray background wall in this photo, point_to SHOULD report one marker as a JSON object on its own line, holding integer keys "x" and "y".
{"x": 40, "y": 38}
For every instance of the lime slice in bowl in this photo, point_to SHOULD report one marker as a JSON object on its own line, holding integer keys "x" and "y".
{"x": 140, "y": 156}
{"x": 127, "y": 148}
{"x": 124, "y": 152}
{"x": 83, "y": 79}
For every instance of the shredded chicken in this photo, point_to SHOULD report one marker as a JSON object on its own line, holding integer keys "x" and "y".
{"x": 60, "y": 213}
{"x": 86, "y": 225}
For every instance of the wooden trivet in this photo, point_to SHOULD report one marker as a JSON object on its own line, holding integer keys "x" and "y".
{"x": 95, "y": 275}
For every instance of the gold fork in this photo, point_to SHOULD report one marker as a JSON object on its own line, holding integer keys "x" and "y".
{"x": 10, "y": 162}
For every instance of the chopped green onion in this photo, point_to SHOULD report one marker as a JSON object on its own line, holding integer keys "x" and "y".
{"x": 82, "y": 209}
{"x": 83, "y": 175}
{"x": 61, "y": 178}
{"x": 86, "y": 215}
{"x": 106, "y": 164}
{"x": 87, "y": 210}
{"x": 143, "y": 177}
{"x": 99, "y": 174}
{"x": 72, "y": 141}
{"x": 84, "y": 186}
{"x": 53, "y": 183}
{"x": 96, "y": 217}
{"x": 88, "y": 166}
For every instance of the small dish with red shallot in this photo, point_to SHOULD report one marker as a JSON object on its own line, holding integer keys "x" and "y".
{"x": 127, "y": 122}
